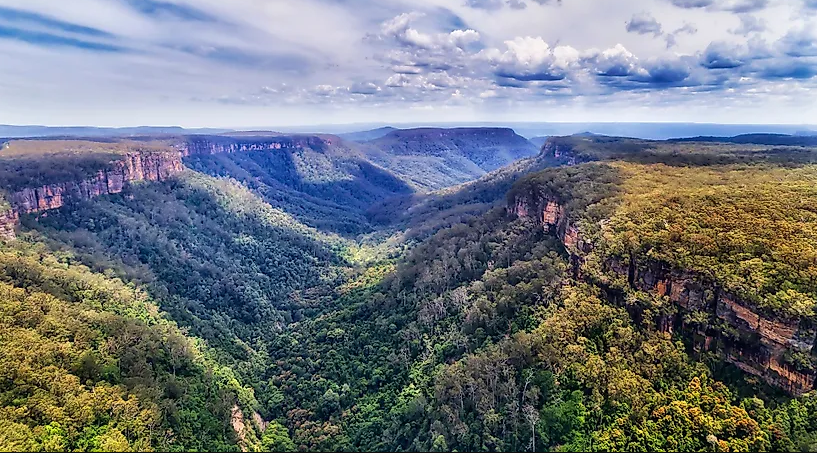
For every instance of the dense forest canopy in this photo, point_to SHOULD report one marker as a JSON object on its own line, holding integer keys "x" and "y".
{"x": 309, "y": 300}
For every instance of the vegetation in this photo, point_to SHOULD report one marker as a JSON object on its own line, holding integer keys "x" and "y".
{"x": 34, "y": 163}
{"x": 89, "y": 363}
{"x": 324, "y": 316}
{"x": 683, "y": 153}
{"x": 434, "y": 159}
{"x": 321, "y": 190}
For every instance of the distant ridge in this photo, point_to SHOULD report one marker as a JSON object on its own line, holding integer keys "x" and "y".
{"x": 365, "y": 136}
{"x": 757, "y": 139}
{"x": 8, "y": 131}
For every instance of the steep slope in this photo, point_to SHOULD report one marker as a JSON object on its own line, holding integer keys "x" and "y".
{"x": 89, "y": 363}
{"x": 323, "y": 181}
{"x": 436, "y": 158}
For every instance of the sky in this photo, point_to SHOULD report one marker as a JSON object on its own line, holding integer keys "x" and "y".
{"x": 267, "y": 63}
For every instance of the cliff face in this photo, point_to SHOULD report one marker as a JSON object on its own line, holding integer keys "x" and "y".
{"x": 134, "y": 167}
{"x": 556, "y": 150}
{"x": 222, "y": 144}
{"x": 754, "y": 342}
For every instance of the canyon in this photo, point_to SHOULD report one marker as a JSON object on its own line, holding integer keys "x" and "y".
{"x": 758, "y": 344}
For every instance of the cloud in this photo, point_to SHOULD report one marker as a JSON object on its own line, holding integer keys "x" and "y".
{"x": 529, "y": 59}
{"x": 750, "y": 24}
{"x": 664, "y": 72}
{"x": 791, "y": 70}
{"x": 367, "y": 88}
{"x": 799, "y": 43}
{"x": 616, "y": 62}
{"x": 720, "y": 55}
{"x": 644, "y": 24}
{"x": 492, "y": 5}
{"x": 735, "y": 6}
{"x": 26, "y": 18}
{"x": 485, "y": 4}
{"x": 400, "y": 30}
{"x": 166, "y": 10}
{"x": 52, "y": 40}
{"x": 672, "y": 38}
{"x": 157, "y": 56}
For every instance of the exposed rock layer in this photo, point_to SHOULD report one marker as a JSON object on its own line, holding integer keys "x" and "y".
{"x": 223, "y": 144}
{"x": 132, "y": 168}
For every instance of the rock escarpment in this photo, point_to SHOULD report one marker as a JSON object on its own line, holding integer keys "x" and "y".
{"x": 732, "y": 328}
{"x": 215, "y": 144}
{"x": 134, "y": 167}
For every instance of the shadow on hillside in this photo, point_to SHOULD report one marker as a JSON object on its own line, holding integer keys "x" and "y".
{"x": 333, "y": 199}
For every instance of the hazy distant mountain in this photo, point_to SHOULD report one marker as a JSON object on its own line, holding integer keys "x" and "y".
{"x": 7, "y": 131}
{"x": 538, "y": 141}
{"x": 365, "y": 132}
{"x": 365, "y": 136}
{"x": 759, "y": 139}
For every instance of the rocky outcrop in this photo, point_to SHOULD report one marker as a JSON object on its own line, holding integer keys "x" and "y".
{"x": 224, "y": 144}
{"x": 559, "y": 151}
{"x": 133, "y": 167}
{"x": 240, "y": 428}
{"x": 734, "y": 329}
{"x": 8, "y": 221}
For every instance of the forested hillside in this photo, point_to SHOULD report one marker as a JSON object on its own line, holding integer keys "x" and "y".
{"x": 295, "y": 293}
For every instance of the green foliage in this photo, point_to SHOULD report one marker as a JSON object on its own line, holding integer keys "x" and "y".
{"x": 276, "y": 438}
{"x": 433, "y": 159}
{"x": 323, "y": 190}
{"x": 89, "y": 363}
{"x": 34, "y": 163}
{"x": 466, "y": 331}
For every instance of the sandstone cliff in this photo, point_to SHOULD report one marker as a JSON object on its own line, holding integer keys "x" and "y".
{"x": 231, "y": 144}
{"x": 736, "y": 331}
{"x": 154, "y": 166}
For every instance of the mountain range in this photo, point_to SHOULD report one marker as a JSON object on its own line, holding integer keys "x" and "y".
{"x": 365, "y": 132}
